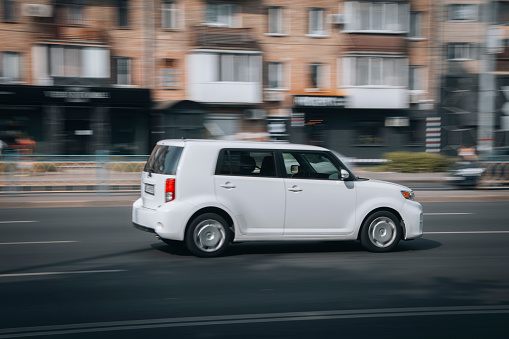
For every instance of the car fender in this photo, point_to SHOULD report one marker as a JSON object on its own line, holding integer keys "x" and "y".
{"x": 373, "y": 195}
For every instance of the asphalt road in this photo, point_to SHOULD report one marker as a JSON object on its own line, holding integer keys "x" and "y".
{"x": 87, "y": 273}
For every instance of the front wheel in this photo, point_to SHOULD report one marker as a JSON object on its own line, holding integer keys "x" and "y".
{"x": 208, "y": 235}
{"x": 381, "y": 232}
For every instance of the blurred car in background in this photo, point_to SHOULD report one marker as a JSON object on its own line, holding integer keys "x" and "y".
{"x": 466, "y": 174}
{"x": 492, "y": 169}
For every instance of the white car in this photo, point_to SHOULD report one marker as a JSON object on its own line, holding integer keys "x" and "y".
{"x": 210, "y": 193}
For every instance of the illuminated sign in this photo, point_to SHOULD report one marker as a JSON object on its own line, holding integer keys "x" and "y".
{"x": 319, "y": 101}
{"x": 77, "y": 94}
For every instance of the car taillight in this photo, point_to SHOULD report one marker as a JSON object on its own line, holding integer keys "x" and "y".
{"x": 169, "y": 192}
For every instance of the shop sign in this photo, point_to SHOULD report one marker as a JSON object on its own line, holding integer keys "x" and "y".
{"x": 83, "y": 132}
{"x": 397, "y": 122}
{"x": 77, "y": 94}
{"x": 319, "y": 101}
{"x": 277, "y": 127}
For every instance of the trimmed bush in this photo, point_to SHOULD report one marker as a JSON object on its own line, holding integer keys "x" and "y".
{"x": 45, "y": 167}
{"x": 127, "y": 166}
{"x": 6, "y": 167}
{"x": 415, "y": 162}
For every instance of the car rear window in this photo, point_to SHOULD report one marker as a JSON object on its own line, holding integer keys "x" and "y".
{"x": 163, "y": 160}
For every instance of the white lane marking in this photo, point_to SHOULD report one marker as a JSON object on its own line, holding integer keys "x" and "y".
{"x": 56, "y": 273}
{"x": 16, "y": 221}
{"x": 448, "y": 213}
{"x": 36, "y": 242}
{"x": 249, "y": 318}
{"x": 469, "y": 232}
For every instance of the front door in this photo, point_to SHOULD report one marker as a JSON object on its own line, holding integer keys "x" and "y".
{"x": 318, "y": 202}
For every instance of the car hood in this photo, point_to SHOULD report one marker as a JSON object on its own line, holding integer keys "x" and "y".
{"x": 381, "y": 182}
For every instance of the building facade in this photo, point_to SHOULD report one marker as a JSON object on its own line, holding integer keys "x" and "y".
{"x": 473, "y": 74}
{"x": 355, "y": 76}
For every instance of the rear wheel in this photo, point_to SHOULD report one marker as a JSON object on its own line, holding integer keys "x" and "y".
{"x": 208, "y": 235}
{"x": 381, "y": 232}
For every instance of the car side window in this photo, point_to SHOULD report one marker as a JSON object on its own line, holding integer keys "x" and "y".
{"x": 310, "y": 165}
{"x": 247, "y": 163}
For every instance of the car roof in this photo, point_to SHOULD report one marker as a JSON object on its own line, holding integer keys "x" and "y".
{"x": 219, "y": 144}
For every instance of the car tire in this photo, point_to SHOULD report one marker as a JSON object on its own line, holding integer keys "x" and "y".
{"x": 381, "y": 232}
{"x": 208, "y": 235}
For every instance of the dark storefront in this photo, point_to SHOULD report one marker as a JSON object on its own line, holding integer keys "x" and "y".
{"x": 501, "y": 123}
{"x": 361, "y": 133}
{"x": 76, "y": 120}
{"x": 177, "y": 119}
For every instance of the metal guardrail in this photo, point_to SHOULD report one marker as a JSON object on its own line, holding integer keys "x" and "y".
{"x": 100, "y": 173}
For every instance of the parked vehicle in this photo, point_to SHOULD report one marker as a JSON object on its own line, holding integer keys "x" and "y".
{"x": 210, "y": 193}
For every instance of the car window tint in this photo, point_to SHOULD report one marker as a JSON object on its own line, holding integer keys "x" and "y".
{"x": 163, "y": 160}
{"x": 247, "y": 163}
{"x": 310, "y": 165}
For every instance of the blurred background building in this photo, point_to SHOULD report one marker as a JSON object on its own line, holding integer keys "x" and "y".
{"x": 360, "y": 77}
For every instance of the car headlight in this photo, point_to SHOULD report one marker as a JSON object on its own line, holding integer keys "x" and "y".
{"x": 409, "y": 195}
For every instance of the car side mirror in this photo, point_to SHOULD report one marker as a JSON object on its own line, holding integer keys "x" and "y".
{"x": 294, "y": 169}
{"x": 344, "y": 174}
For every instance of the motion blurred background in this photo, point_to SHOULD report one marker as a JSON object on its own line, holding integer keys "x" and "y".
{"x": 82, "y": 81}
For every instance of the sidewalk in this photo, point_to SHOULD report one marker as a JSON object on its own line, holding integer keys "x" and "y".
{"x": 43, "y": 200}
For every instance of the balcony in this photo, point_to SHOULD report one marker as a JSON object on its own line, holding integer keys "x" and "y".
{"x": 375, "y": 43}
{"x": 224, "y": 38}
{"x": 71, "y": 33}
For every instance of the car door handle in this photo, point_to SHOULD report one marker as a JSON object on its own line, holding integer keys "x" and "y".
{"x": 228, "y": 185}
{"x": 295, "y": 188}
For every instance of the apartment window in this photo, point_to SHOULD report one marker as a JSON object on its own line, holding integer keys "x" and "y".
{"x": 375, "y": 71}
{"x": 502, "y": 13}
{"x": 123, "y": 13}
{"x": 318, "y": 76}
{"x": 377, "y": 16}
{"x": 275, "y": 18}
{"x": 11, "y": 66}
{"x": 459, "y": 51}
{"x": 316, "y": 21}
{"x": 219, "y": 14}
{"x": 65, "y": 61}
{"x": 70, "y": 13}
{"x": 122, "y": 71}
{"x": 9, "y": 10}
{"x": 463, "y": 12}
{"x": 416, "y": 78}
{"x": 238, "y": 68}
{"x": 415, "y": 25}
{"x": 275, "y": 75}
{"x": 77, "y": 61}
{"x": 169, "y": 73}
{"x": 169, "y": 15}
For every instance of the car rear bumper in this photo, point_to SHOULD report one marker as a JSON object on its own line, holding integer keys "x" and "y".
{"x": 143, "y": 228}
{"x": 167, "y": 221}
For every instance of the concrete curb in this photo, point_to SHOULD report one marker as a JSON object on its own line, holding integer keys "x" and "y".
{"x": 79, "y": 203}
